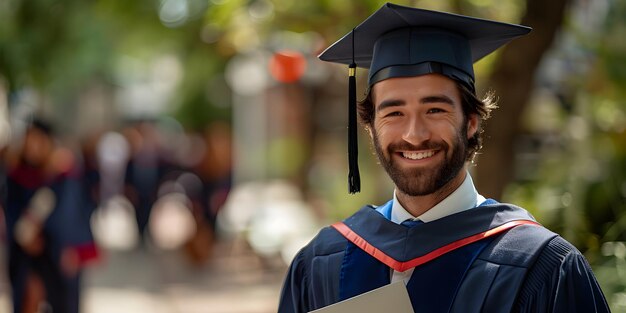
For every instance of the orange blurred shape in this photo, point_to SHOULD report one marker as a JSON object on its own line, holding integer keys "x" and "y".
{"x": 287, "y": 66}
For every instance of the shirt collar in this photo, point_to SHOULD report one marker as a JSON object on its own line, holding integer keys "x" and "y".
{"x": 463, "y": 198}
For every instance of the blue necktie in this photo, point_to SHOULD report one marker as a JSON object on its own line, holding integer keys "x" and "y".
{"x": 411, "y": 223}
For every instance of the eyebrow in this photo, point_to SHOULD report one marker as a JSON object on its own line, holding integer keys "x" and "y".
{"x": 437, "y": 99}
{"x": 390, "y": 103}
{"x": 430, "y": 99}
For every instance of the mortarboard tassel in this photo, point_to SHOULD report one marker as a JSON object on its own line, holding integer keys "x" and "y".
{"x": 354, "y": 178}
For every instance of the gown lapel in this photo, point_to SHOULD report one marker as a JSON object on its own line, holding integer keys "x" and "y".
{"x": 376, "y": 244}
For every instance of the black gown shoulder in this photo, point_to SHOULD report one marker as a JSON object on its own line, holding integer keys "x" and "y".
{"x": 560, "y": 280}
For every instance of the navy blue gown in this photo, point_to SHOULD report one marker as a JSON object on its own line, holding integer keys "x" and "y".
{"x": 493, "y": 258}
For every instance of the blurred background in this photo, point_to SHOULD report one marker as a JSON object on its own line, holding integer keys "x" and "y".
{"x": 184, "y": 150}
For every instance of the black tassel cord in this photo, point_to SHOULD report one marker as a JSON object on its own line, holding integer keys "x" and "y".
{"x": 354, "y": 177}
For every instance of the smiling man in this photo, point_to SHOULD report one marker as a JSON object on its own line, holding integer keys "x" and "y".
{"x": 454, "y": 250}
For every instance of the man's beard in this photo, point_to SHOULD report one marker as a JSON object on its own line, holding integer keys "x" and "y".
{"x": 424, "y": 181}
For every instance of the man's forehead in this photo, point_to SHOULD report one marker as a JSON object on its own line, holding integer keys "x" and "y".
{"x": 423, "y": 85}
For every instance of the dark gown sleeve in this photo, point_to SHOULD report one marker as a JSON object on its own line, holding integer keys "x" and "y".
{"x": 560, "y": 281}
{"x": 312, "y": 280}
{"x": 293, "y": 294}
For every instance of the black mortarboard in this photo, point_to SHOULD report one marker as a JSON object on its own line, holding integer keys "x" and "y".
{"x": 399, "y": 41}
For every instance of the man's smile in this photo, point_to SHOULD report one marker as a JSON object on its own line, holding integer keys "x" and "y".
{"x": 418, "y": 155}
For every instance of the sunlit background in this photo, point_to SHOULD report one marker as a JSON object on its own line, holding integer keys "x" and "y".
{"x": 218, "y": 141}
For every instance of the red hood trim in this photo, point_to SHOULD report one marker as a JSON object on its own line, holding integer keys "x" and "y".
{"x": 353, "y": 237}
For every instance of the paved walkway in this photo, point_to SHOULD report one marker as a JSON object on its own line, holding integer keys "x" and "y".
{"x": 146, "y": 280}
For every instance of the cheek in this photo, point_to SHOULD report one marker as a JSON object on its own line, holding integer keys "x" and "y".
{"x": 386, "y": 133}
{"x": 450, "y": 131}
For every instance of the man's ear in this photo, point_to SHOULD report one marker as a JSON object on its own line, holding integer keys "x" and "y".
{"x": 473, "y": 123}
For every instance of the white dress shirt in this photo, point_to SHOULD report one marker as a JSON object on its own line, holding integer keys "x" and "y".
{"x": 463, "y": 198}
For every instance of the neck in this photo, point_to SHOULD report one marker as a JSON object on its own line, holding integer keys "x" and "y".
{"x": 418, "y": 205}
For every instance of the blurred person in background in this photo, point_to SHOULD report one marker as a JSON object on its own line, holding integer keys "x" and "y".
{"x": 454, "y": 250}
{"x": 192, "y": 156}
{"x": 48, "y": 235}
{"x": 91, "y": 172}
{"x": 143, "y": 171}
{"x": 215, "y": 169}
{"x": 209, "y": 159}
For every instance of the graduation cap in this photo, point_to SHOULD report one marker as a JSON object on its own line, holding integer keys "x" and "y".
{"x": 399, "y": 41}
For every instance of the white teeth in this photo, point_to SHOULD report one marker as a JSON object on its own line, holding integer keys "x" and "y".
{"x": 418, "y": 155}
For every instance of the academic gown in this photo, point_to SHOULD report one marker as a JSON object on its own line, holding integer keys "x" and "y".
{"x": 67, "y": 227}
{"x": 493, "y": 258}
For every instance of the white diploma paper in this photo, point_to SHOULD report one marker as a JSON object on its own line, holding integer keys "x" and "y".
{"x": 389, "y": 298}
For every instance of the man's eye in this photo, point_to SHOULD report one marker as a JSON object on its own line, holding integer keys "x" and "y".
{"x": 395, "y": 113}
{"x": 435, "y": 110}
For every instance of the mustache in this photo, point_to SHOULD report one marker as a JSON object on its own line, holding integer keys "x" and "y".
{"x": 426, "y": 145}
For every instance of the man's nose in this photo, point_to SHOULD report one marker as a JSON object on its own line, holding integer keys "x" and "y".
{"x": 416, "y": 131}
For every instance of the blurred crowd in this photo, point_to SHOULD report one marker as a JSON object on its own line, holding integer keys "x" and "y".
{"x": 149, "y": 183}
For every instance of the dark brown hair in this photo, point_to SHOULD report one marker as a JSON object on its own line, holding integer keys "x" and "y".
{"x": 470, "y": 103}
